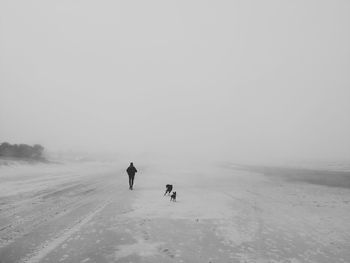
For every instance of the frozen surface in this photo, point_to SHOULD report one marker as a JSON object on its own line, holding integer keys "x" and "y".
{"x": 84, "y": 212}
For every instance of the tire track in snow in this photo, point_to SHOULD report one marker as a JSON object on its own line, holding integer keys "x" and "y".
{"x": 28, "y": 221}
{"x": 49, "y": 246}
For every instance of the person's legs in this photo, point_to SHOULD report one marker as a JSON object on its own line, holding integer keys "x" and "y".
{"x": 130, "y": 182}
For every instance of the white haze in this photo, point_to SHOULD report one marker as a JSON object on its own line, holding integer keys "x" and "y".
{"x": 230, "y": 80}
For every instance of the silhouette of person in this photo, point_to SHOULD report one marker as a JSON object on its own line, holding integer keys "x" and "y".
{"x": 131, "y": 172}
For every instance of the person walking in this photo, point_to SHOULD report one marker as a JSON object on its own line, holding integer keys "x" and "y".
{"x": 131, "y": 173}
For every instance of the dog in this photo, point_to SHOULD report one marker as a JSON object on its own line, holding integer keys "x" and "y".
{"x": 173, "y": 197}
{"x": 169, "y": 188}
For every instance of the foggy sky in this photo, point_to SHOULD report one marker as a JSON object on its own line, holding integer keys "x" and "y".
{"x": 230, "y": 79}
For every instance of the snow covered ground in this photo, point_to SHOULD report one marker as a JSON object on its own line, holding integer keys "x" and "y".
{"x": 84, "y": 212}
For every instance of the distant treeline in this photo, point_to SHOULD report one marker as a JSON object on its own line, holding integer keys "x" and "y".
{"x": 22, "y": 151}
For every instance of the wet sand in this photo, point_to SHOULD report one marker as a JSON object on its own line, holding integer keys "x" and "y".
{"x": 318, "y": 177}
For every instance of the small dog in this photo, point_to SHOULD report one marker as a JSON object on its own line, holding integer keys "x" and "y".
{"x": 173, "y": 197}
{"x": 169, "y": 188}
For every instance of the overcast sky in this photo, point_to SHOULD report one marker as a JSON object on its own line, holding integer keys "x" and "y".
{"x": 231, "y": 79}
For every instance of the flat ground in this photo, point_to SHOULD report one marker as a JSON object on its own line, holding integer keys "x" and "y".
{"x": 85, "y": 213}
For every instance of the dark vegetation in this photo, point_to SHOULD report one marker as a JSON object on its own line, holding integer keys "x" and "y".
{"x": 22, "y": 151}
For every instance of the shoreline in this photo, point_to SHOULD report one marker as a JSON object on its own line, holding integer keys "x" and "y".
{"x": 312, "y": 176}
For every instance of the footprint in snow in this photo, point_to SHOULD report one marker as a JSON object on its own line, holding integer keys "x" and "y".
{"x": 145, "y": 235}
{"x": 168, "y": 253}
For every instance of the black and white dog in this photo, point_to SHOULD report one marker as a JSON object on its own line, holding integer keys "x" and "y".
{"x": 169, "y": 188}
{"x": 173, "y": 197}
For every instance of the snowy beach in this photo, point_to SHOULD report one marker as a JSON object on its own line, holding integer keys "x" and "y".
{"x": 242, "y": 106}
{"x": 84, "y": 212}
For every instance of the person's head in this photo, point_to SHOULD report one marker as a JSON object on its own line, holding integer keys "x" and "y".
{"x": 131, "y": 164}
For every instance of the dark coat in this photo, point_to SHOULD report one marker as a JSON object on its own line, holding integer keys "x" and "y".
{"x": 131, "y": 170}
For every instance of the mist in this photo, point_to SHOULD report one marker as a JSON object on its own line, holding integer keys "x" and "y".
{"x": 227, "y": 80}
